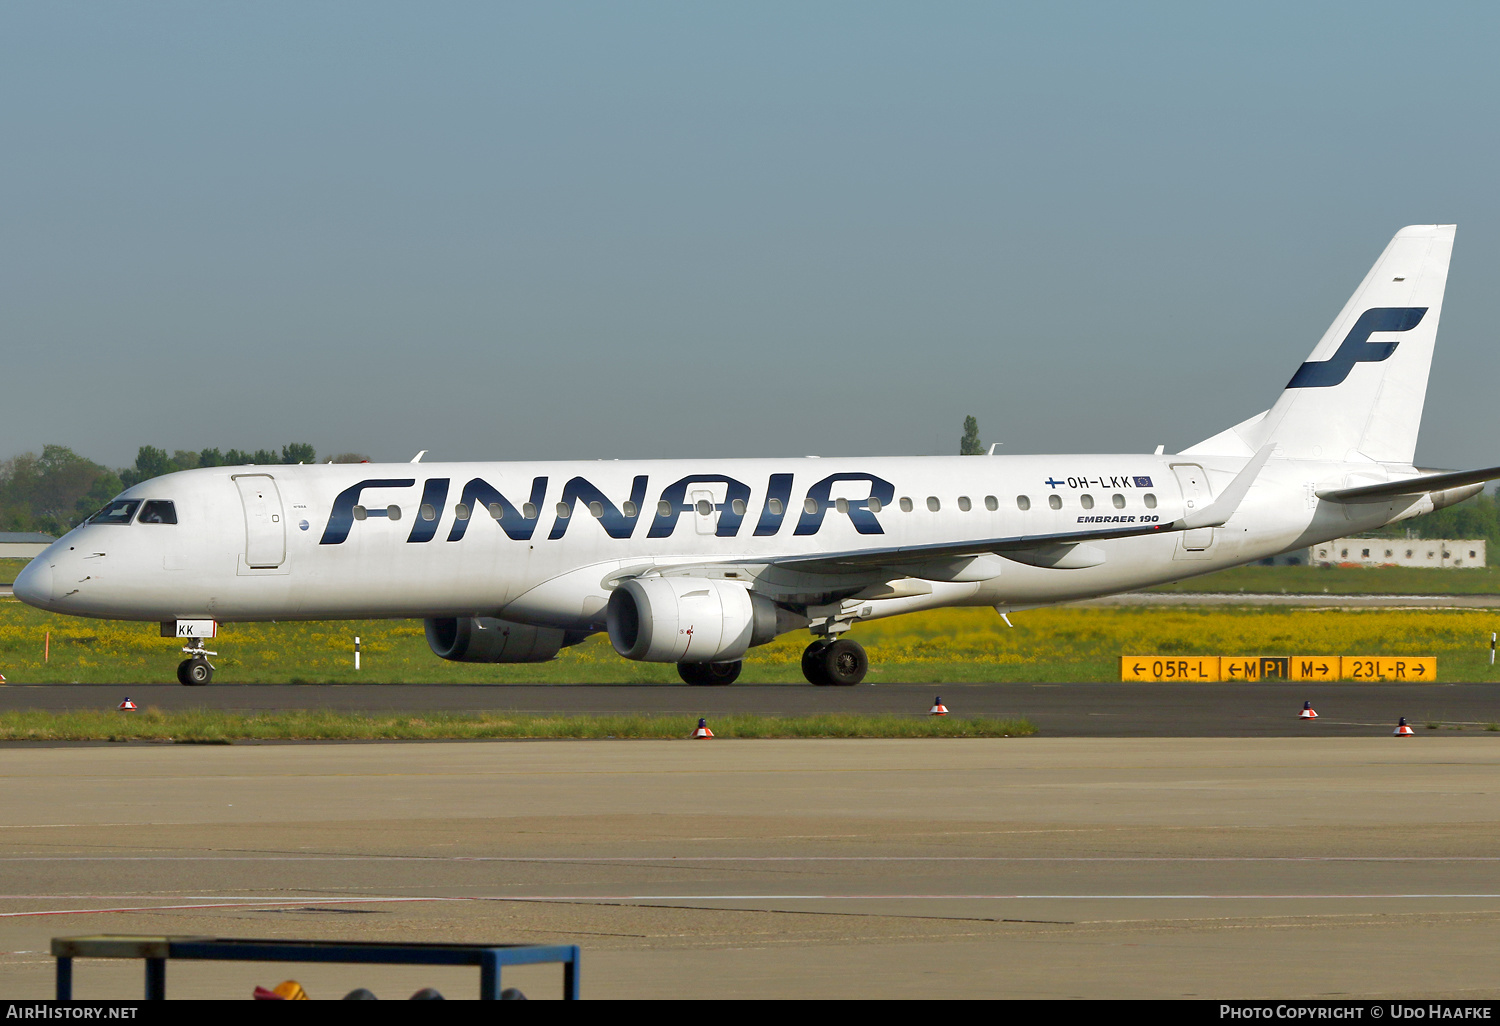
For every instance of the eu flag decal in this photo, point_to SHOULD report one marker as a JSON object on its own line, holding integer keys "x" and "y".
{"x": 1143, "y": 482}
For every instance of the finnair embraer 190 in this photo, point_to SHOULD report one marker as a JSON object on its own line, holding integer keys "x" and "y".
{"x": 694, "y": 562}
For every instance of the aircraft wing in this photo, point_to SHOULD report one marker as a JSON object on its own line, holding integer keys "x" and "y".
{"x": 910, "y": 557}
{"x": 1060, "y": 550}
{"x": 1410, "y": 485}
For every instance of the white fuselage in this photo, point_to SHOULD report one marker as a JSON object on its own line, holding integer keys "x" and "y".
{"x": 309, "y": 542}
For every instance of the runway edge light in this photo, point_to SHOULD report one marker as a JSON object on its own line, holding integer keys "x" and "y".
{"x": 702, "y": 729}
{"x": 126, "y": 706}
{"x": 938, "y": 708}
{"x": 1308, "y": 712}
{"x": 1402, "y": 730}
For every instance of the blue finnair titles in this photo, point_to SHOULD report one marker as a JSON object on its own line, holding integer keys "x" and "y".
{"x": 696, "y": 562}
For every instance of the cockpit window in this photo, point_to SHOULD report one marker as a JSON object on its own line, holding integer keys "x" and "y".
{"x": 158, "y": 511}
{"x": 118, "y": 512}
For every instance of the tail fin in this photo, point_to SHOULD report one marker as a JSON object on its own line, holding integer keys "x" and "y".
{"x": 1359, "y": 396}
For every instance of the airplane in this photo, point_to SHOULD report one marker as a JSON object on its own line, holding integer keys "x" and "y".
{"x": 694, "y": 562}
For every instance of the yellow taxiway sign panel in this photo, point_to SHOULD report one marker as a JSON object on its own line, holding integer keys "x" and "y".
{"x": 1202, "y": 669}
{"x": 1314, "y": 667}
{"x": 1405, "y": 668}
{"x": 1251, "y": 669}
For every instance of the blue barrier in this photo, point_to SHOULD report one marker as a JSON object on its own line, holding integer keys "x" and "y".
{"x": 156, "y": 950}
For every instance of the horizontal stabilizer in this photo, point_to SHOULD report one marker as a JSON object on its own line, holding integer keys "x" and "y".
{"x": 1411, "y": 485}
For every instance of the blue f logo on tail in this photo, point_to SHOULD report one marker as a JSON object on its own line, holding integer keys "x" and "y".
{"x": 1356, "y": 347}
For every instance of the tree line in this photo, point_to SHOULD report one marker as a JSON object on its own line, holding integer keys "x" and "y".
{"x": 56, "y": 490}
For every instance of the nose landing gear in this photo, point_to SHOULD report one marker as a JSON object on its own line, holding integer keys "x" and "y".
{"x": 196, "y": 670}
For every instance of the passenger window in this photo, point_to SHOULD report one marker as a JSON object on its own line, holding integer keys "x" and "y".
{"x": 564, "y": 511}
{"x": 596, "y": 508}
{"x": 664, "y": 508}
{"x": 1086, "y": 501}
{"x": 991, "y": 503}
{"x": 810, "y": 505}
{"x": 496, "y": 510}
{"x": 1150, "y": 501}
{"x": 874, "y": 504}
{"x": 158, "y": 511}
{"x": 964, "y": 503}
{"x": 461, "y": 511}
{"x": 393, "y": 511}
{"x": 118, "y": 512}
{"x": 704, "y": 507}
{"x": 1118, "y": 500}
{"x": 528, "y": 511}
{"x": 905, "y": 504}
{"x": 933, "y": 504}
{"x": 630, "y": 509}
{"x": 842, "y": 505}
{"x": 428, "y": 512}
{"x": 775, "y": 507}
{"x": 359, "y": 513}
{"x": 738, "y": 507}
{"x": 1055, "y": 501}
{"x": 1023, "y": 502}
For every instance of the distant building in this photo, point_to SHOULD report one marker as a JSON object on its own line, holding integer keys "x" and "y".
{"x": 1451, "y": 553}
{"x": 23, "y": 544}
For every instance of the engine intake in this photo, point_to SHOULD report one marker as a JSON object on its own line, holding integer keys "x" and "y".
{"x": 687, "y": 620}
{"x": 486, "y": 639}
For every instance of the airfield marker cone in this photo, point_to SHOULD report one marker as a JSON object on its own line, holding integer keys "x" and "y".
{"x": 702, "y": 729}
{"x": 126, "y": 706}
{"x": 1308, "y": 712}
{"x": 1402, "y": 730}
{"x": 2, "y": 678}
{"x": 938, "y": 708}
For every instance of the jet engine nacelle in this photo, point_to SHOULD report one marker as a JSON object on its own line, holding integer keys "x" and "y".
{"x": 687, "y": 620}
{"x": 485, "y": 639}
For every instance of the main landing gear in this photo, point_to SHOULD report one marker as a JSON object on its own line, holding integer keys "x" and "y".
{"x": 829, "y": 661}
{"x": 710, "y": 673}
{"x": 196, "y": 670}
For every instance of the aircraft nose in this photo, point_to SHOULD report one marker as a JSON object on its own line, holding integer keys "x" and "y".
{"x": 34, "y": 584}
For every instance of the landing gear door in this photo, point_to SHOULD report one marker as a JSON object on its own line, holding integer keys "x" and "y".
{"x": 1195, "y": 495}
{"x": 265, "y": 523}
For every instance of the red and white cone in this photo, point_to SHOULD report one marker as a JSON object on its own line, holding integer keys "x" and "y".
{"x": 938, "y": 708}
{"x": 2, "y": 678}
{"x": 1308, "y": 712}
{"x": 126, "y": 706}
{"x": 702, "y": 729}
{"x": 1402, "y": 730}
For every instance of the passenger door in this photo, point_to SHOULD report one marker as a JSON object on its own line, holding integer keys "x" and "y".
{"x": 265, "y": 522}
{"x": 1193, "y": 481}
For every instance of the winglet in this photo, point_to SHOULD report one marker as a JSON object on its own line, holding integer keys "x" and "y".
{"x": 1222, "y": 508}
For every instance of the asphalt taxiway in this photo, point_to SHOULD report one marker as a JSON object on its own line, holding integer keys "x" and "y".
{"x": 1058, "y": 710}
{"x": 1207, "y": 867}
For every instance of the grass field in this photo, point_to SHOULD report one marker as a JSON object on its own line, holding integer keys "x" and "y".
{"x": 1312, "y": 580}
{"x": 9, "y": 568}
{"x": 944, "y": 645}
{"x": 210, "y": 726}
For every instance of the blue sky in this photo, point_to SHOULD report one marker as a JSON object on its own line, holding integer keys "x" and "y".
{"x": 635, "y": 230}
